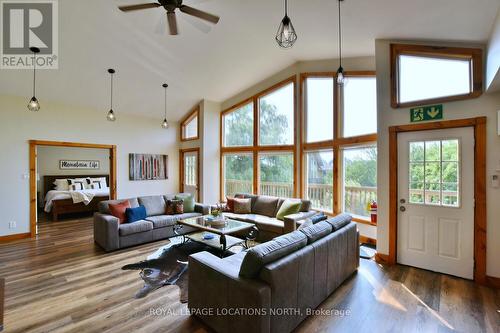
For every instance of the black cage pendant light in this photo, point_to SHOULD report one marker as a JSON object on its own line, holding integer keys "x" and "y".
{"x": 165, "y": 122}
{"x": 286, "y": 35}
{"x": 340, "y": 71}
{"x": 33, "y": 104}
{"x": 111, "y": 114}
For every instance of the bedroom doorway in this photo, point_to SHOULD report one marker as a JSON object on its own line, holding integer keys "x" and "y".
{"x": 93, "y": 169}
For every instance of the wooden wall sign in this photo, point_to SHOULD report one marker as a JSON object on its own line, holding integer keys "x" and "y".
{"x": 79, "y": 164}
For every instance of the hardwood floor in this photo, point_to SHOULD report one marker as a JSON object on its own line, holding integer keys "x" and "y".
{"x": 62, "y": 282}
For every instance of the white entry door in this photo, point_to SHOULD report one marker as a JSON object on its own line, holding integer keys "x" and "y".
{"x": 436, "y": 200}
{"x": 190, "y": 165}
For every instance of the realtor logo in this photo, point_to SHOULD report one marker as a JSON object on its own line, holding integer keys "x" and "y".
{"x": 26, "y": 24}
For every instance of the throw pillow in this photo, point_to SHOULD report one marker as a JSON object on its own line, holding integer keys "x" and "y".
{"x": 188, "y": 201}
{"x": 287, "y": 208}
{"x": 135, "y": 214}
{"x": 230, "y": 204}
{"x": 178, "y": 206}
{"x": 169, "y": 208}
{"x": 306, "y": 223}
{"x": 61, "y": 185}
{"x": 118, "y": 210}
{"x": 76, "y": 184}
{"x": 318, "y": 218}
{"x": 242, "y": 206}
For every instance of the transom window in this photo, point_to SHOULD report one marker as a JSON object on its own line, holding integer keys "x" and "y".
{"x": 428, "y": 74}
{"x": 189, "y": 126}
{"x": 434, "y": 172}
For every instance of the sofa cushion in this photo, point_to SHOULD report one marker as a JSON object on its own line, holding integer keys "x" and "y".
{"x": 187, "y": 200}
{"x": 135, "y": 214}
{"x": 252, "y": 197}
{"x": 318, "y": 218}
{"x": 264, "y": 253}
{"x": 265, "y": 205}
{"x": 306, "y": 205}
{"x": 288, "y": 207}
{"x": 184, "y": 216}
{"x": 339, "y": 221}
{"x": 266, "y": 223}
{"x": 103, "y": 206}
{"x": 242, "y": 206}
{"x": 134, "y": 228}
{"x": 155, "y": 204}
{"x": 118, "y": 210}
{"x": 162, "y": 221}
{"x": 316, "y": 231}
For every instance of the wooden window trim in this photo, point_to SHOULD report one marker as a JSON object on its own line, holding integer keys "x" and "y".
{"x": 475, "y": 55}
{"x": 338, "y": 142}
{"x": 195, "y": 112}
{"x": 256, "y": 148}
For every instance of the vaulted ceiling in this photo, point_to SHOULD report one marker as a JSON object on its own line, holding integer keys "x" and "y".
{"x": 236, "y": 53}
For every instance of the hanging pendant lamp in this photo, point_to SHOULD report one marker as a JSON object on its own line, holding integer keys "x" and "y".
{"x": 340, "y": 71}
{"x": 33, "y": 104}
{"x": 286, "y": 35}
{"x": 165, "y": 122}
{"x": 111, "y": 114}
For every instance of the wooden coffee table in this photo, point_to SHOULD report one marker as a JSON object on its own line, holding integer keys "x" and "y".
{"x": 222, "y": 239}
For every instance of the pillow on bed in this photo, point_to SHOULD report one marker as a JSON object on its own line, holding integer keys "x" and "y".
{"x": 97, "y": 186}
{"x": 101, "y": 180}
{"x": 61, "y": 185}
{"x": 76, "y": 184}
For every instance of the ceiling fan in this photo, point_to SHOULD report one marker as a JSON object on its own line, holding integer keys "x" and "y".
{"x": 170, "y": 6}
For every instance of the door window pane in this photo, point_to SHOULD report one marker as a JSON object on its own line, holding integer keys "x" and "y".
{"x": 276, "y": 174}
{"x": 238, "y": 174}
{"x": 360, "y": 107}
{"x": 319, "y": 109}
{"x": 238, "y": 127}
{"x": 422, "y": 78}
{"x": 276, "y": 113}
{"x": 190, "y": 172}
{"x": 434, "y": 172}
{"x": 319, "y": 179}
{"x": 360, "y": 179}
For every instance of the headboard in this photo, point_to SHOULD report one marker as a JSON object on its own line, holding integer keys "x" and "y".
{"x": 48, "y": 181}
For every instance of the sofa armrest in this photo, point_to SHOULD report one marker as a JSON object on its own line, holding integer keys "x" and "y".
{"x": 215, "y": 289}
{"x": 292, "y": 219}
{"x": 201, "y": 208}
{"x": 106, "y": 231}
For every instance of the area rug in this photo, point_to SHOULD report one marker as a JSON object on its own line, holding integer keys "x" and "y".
{"x": 166, "y": 266}
{"x": 367, "y": 251}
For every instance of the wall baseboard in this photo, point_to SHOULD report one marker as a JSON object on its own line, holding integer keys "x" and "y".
{"x": 9, "y": 238}
{"x": 367, "y": 240}
{"x": 493, "y": 282}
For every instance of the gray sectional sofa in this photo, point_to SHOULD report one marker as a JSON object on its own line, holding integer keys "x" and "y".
{"x": 263, "y": 215}
{"x": 273, "y": 286}
{"x": 111, "y": 235}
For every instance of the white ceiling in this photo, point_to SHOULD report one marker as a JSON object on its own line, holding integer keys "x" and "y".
{"x": 238, "y": 52}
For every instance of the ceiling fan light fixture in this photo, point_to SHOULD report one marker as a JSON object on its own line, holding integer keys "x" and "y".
{"x": 286, "y": 35}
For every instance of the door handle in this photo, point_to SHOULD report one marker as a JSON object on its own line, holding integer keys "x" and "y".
{"x": 402, "y": 208}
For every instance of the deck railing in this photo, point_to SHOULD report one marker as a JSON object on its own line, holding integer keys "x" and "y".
{"x": 321, "y": 195}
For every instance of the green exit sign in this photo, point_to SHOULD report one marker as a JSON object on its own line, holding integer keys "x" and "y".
{"x": 424, "y": 113}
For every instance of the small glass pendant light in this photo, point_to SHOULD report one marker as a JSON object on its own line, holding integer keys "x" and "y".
{"x": 286, "y": 35}
{"x": 111, "y": 115}
{"x": 165, "y": 122}
{"x": 340, "y": 71}
{"x": 33, "y": 104}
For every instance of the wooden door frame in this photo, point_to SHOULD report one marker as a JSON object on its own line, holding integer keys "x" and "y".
{"x": 479, "y": 125}
{"x": 181, "y": 169}
{"x": 33, "y": 144}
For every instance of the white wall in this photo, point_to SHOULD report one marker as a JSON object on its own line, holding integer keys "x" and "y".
{"x": 210, "y": 152}
{"x": 59, "y": 122}
{"x": 493, "y": 58}
{"x": 48, "y": 162}
{"x": 486, "y": 105}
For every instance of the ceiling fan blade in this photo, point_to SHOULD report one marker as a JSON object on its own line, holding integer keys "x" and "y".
{"x": 199, "y": 13}
{"x": 138, "y": 7}
{"x": 172, "y": 23}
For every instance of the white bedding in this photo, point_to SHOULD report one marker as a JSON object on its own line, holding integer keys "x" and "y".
{"x": 84, "y": 196}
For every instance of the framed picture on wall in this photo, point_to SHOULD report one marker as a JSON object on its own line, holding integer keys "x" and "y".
{"x": 148, "y": 167}
{"x": 79, "y": 164}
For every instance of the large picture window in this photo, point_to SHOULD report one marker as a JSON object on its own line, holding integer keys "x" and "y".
{"x": 359, "y": 106}
{"x": 319, "y": 179}
{"x": 258, "y": 144}
{"x": 429, "y": 74}
{"x": 319, "y": 106}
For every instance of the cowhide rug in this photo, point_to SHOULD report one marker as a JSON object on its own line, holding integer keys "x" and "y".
{"x": 167, "y": 266}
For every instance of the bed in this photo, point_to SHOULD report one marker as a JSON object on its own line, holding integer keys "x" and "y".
{"x": 61, "y": 202}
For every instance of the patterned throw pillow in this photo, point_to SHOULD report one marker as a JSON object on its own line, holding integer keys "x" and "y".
{"x": 174, "y": 207}
{"x": 242, "y": 206}
{"x": 97, "y": 185}
{"x": 229, "y": 205}
{"x": 76, "y": 185}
